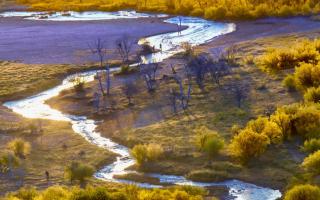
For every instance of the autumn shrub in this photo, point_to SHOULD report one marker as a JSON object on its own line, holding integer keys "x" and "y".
{"x": 78, "y": 172}
{"x": 154, "y": 152}
{"x": 306, "y": 121}
{"x": 307, "y": 75}
{"x": 303, "y": 192}
{"x": 283, "y": 120}
{"x": 208, "y": 141}
{"x": 78, "y": 84}
{"x": 8, "y": 161}
{"x": 312, "y": 95}
{"x": 20, "y": 147}
{"x": 216, "y": 13}
{"x": 143, "y": 153}
{"x": 312, "y": 163}
{"x": 311, "y": 145}
{"x": 286, "y": 11}
{"x": 130, "y": 192}
{"x": 248, "y": 144}
{"x": 278, "y": 59}
{"x": 289, "y": 82}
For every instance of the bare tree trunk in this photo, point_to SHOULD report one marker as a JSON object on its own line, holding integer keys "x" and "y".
{"x": 108, "y": 81}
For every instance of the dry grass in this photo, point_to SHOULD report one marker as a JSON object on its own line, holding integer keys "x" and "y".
{"x": 18, "y": 80}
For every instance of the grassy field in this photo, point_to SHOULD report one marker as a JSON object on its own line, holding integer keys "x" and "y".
{"x": 151, "y": 119}
{"x": 19, "y": 80}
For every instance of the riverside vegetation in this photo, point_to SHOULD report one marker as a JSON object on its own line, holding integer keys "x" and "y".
{"x": 210, "y": 9}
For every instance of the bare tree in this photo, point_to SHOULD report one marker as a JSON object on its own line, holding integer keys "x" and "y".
{"x": 173, "y": 99}
{"x": 124, "y": 46}
{"x": 98, "y": 48}
{"x": 129, "y": 89}
{"x": 96, "y": 101}
{"x": 240, "y": 91}
{"x": 99, "y": 78}
{"x": 148, "y": 72}
{"x": 108, "y": 79}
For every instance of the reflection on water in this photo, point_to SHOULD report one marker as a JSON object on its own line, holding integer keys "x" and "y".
{"x": 198, "y": 32}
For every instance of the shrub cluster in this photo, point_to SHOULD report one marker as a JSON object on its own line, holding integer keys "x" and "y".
{"x": 216, "y": 10}
{"x": 279, "y": 59}
{"x": 129, "y": 192}
{"x": 297, "y": 119}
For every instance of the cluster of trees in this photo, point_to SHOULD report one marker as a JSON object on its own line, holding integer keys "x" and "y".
{"x": 211, "y": 9}
{"x": 129, "y": 192}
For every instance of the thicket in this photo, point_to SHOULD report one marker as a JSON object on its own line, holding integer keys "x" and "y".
{"x": 305, "y": 51}
{"x": 211, "y": 9}
{"x": 129, "y": 192}
{"x": 301, "y": 120}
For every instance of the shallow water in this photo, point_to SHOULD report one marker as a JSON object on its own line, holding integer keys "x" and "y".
{"x": 199, "y": 31}
{"x": 77, "y": 16}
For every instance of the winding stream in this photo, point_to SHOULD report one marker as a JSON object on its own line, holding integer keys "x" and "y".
{"x": 199, "y": 31}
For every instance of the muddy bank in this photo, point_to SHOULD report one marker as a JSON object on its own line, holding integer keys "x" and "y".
{"x": 49, "y": 42}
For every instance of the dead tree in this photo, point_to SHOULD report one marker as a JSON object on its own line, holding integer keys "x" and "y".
{"x": 99, "y": 78}
{"x": 173, "y": 99}
{"x": 240, "y": 91}
{"x": 148, "y": 72}
{"x": 98, "y": 48}
{"x": 129, "y": 89}
{"x": 197, "y": 68}
{"x": 108, "y": 79}
{"x": 124, "y": 46}
{"x": 96, "y": 101}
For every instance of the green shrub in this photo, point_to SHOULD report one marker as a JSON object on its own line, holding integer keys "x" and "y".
{"x": 207, "y": 175}
{"x": 208, "y": 141}
{"x": 303, "y": 192}
{"x": 78, "y": 171}
{"x": 126, "y": 70}
{"x": 311, "y": 145}
{"x": 312, "y": 163}
{"x": 248, "y": 144}
{"x": 20, "y": 147}
{"x": 312, "y": 95}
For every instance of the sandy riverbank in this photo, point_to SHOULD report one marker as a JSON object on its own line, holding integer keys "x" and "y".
{"x": 48, "y": 42}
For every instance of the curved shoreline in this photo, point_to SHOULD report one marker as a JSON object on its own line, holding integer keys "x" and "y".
{"x": 86, "y": 128}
